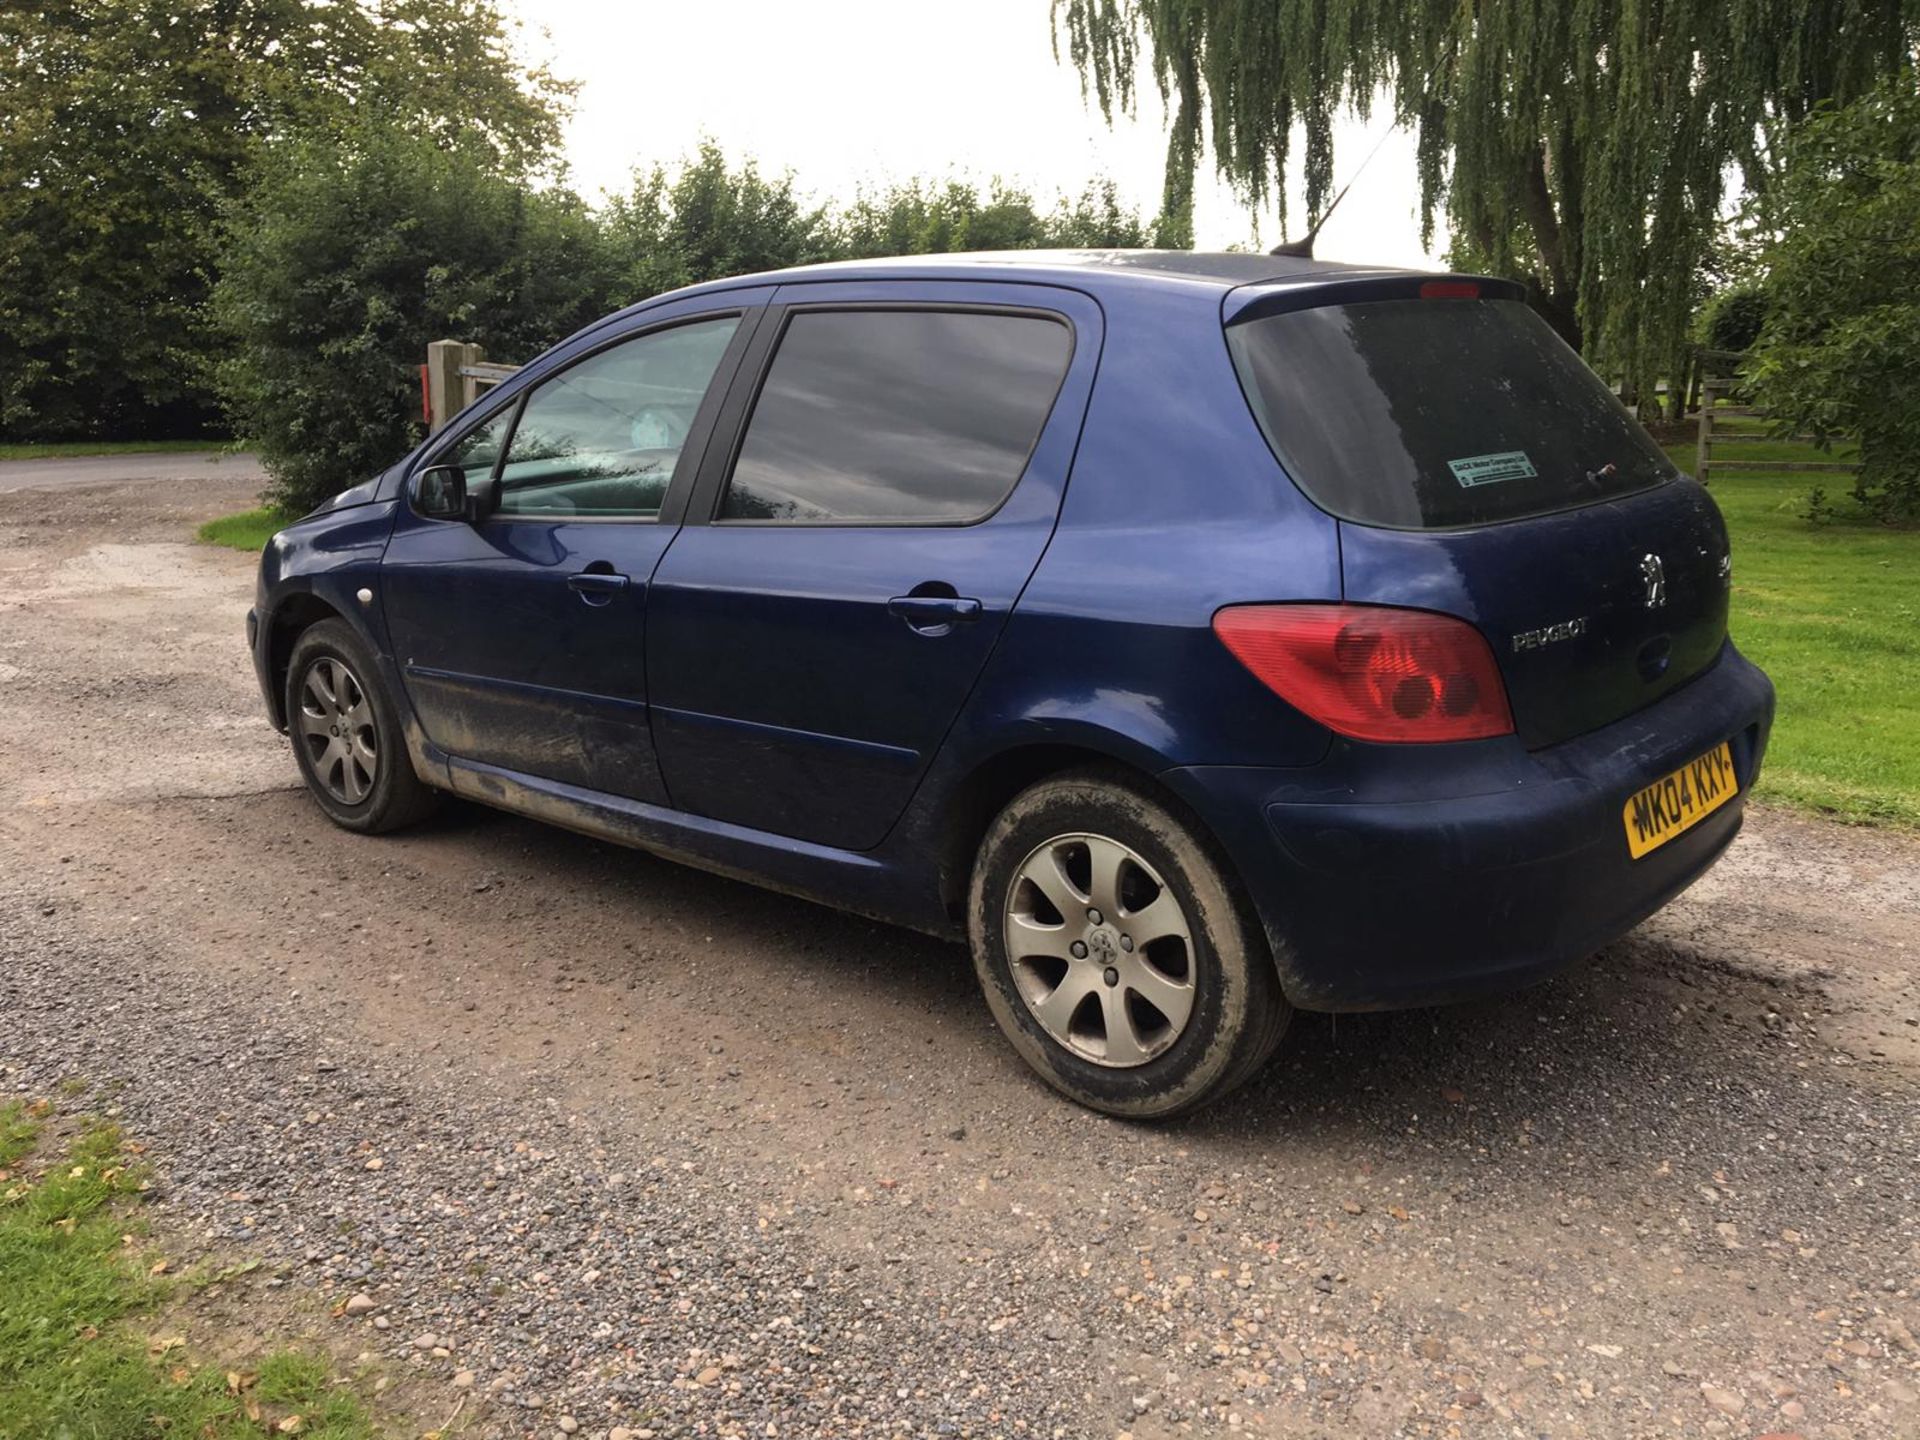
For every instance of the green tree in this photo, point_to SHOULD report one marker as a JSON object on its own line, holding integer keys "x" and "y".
{"x": 1585, "y": 145}
{"x": 352, "y": 252}
{"x": 920, "y": 217}
{"x": 1839, "y": 352}
{"x": 708, "y": 219}
{"x": 1096, "y": 220}
{"x": 1732, "y": 318}
{"x": 127, "y": 124}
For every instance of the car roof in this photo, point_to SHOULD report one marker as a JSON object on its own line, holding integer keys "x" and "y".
{"x": 1219, "y": 270}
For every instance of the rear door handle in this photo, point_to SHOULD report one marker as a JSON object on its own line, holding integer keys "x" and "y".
{"x": 933, "y": 614}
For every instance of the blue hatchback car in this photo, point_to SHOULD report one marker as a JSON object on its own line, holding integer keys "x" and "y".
{"x": 1201, "y": 636}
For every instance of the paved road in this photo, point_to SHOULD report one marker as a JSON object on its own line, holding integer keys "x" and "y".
{"x": 653, "y": 1150}
{"x": 116, "y": 469}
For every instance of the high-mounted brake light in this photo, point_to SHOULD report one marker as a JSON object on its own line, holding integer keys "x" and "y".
{"x": 1450, "y": 290}
{"x": 1373, "y": 672}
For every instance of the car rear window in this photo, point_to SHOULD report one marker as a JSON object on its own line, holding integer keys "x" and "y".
{"x": 1436, "y": 414}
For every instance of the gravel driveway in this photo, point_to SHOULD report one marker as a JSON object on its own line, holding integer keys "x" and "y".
{"x": 612, "y": 1146}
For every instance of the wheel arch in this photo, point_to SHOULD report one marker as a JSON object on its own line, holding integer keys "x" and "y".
{"x": 296, "y": 613}
{"x": 994, "y": 780}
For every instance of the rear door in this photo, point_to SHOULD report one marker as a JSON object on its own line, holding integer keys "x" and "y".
{"x": 848, "y": 562}
{"x": 1479, "y": 468}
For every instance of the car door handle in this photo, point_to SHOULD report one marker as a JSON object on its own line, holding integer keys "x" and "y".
{"x": 932, "y": 614}
{"x": 596, "y": 587}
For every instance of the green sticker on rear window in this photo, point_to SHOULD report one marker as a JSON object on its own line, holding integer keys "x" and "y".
{"x": 1486, "y": 469}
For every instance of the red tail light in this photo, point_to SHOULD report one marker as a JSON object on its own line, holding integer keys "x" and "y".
{"x": 1450, "y": 290}
{"x": 1373, "y": 672}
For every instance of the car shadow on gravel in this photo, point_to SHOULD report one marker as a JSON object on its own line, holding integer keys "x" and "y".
{"x": 1626, "y": 1053}
{"x": 1635, "y": 1031}
{"x": 634, "y": 888}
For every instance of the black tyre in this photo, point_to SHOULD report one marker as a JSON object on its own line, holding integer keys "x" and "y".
{"x": 1115, "y": 950}
{"x": 346, "y": 734}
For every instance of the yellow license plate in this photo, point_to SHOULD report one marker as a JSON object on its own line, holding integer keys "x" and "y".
{"x": 1682, "y": 800}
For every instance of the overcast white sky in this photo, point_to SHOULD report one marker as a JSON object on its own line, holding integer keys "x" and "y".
{"x": 845, "y": 92}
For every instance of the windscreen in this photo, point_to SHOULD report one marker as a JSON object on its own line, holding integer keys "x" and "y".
{"x": 1435, "y": 414}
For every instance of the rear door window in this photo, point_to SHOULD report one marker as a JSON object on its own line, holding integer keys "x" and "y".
{"x": 1436, "y": 414}
{"x": 896, "y": 416}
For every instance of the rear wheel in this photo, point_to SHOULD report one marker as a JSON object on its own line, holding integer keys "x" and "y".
{"x": 1115, "y": 952}
{"x": 346, "y": 734}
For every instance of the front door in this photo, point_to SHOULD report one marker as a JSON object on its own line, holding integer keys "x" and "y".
{"x": 846, "y": 568}
{"x": 521, "y": 638}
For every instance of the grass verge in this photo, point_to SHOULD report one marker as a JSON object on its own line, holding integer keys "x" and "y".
{"x": 74, "y": 449}
{"x": 249, "y": 530}
{"x": 72, "y": 1288}
{"x": 1832, "y": 613}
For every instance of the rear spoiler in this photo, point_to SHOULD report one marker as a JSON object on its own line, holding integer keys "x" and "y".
{"x": 1277, "y": 297}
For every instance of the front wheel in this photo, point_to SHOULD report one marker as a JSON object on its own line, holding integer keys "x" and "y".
{"x": 1116, "y": 953}
{"x": 346, "y": 734}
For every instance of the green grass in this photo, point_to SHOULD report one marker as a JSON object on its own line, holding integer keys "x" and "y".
{"x": 249, "y": 530}
{"x": 71, "y": 449}
{"x": 74, "y": 1360}
{"x": 1832, "y": 613}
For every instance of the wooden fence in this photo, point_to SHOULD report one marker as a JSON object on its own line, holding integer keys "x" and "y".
{"x": 452, "y": 379}
{"x": 1714, "y": 390}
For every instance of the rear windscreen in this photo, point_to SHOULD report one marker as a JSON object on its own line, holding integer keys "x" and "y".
{"x": 1430, "y": 414}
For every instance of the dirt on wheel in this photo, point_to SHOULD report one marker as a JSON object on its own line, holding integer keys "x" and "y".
{"x": 639, "y": 1149}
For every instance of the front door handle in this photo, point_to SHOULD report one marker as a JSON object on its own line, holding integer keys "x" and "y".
{"x": 597, "y": 587}
{"x": 934, "y": 614}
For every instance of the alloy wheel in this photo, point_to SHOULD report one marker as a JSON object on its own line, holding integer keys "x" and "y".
{"x": 1100, "y": 949}
{"x": 336, "y": 727}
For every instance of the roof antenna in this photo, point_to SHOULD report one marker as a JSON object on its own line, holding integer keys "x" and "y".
{"x": 1302, "y": 249}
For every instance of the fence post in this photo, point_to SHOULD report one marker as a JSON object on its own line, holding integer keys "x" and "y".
{"x": 443, "y": 381}
{"x": 448, "y": 391}
{"x": 470, "y": 384}
{"x": 1703, "y": 447}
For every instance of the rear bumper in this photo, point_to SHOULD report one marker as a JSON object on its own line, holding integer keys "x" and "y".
{"x": 1390, "y": 877}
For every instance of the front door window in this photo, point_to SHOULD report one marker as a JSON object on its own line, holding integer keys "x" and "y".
{"x": 600, "y": 440}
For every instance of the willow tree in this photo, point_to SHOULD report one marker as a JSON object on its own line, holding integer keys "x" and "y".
{"x": 1585, "y": 145}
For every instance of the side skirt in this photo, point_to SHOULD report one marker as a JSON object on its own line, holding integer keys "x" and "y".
{"x": 865, "y": 884}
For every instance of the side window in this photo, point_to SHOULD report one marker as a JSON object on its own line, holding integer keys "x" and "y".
{"x": 897, "y": 416}
{"x": 601, "y": 439}
{"x": 478, "y": 451}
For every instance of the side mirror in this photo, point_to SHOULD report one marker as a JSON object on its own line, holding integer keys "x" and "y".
{"x": 440, "y": 492}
